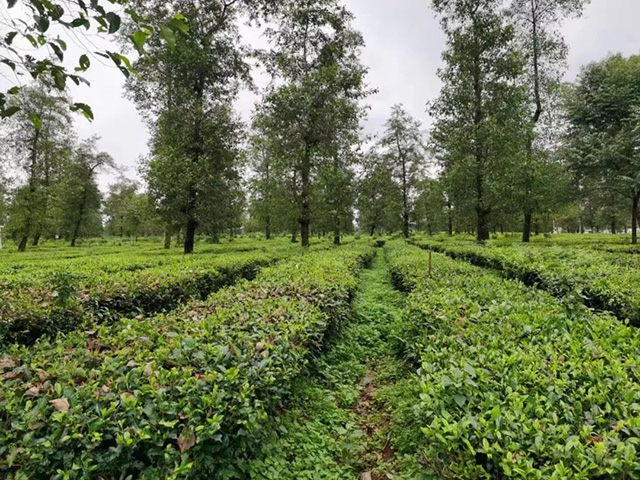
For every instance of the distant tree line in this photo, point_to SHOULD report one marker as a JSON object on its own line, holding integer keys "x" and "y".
{"x": 512, "y": 148}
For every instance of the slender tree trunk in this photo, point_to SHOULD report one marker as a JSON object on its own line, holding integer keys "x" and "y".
{"x": 22, "y": 246}
{"x": 190, "y": 236}
{"x": 634, "y": 218}
{"x": 294, "y": 236}
{"x": 450, "y": 218}
{"x": 529, "y": 178}
{"x": 80, "y": 218}
{"x": 305, "y": 201}
{"x": 196, "y": 153}
{"x": 483, "y": 233}
{"x": 167, "y": 238}
{"x": 526, "y": 233}
{"x": 614, "y": 225}
{"x": 36, "y": 240}
{"x": 336, "y": 231}
{"x": 267, "y": 230}
{"x": 482, "y": 210}
{"x": 372, "y": 230}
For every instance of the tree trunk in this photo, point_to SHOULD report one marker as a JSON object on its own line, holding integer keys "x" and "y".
{"x": 450, "y": 218}
{"x": 78, "y": 223}
{"x": 22, "y": 247}
{"x": 405, "y": 193}
{"x": 305, "y": 201}
{"x": 190, "y": 235}
{"x": 614, "y": 225}
{"x": 336, "y": 230}
{"x": 36, "y": 240}
{"x": 529, "y": 178}
{"x": 482, "y": 211}
{"x": 267, "y": 230}
{"x": 634, "y": 219}
{"x": 294, "y": 236}
{"x": 526, "y": 232}
{"x": 167, "y": 239}
{"x": 483, "y": 225}
{"x": 196, "y": 154}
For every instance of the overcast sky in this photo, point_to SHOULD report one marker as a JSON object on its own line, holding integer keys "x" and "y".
{"x": 403, "y": 52}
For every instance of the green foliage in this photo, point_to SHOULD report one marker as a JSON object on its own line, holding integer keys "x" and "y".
{"x": 604, "y": 110}
{"x": 172, "y": 396}
{"x": 512, "y": 382}
{"x": 602, "y": 280}
{"x": 64, "y": 296}
{"x": 74, "y": 20}
{"x": 310, "y": 114}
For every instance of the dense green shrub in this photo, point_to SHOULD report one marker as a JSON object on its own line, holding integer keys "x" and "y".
{"x": 605, "y": 281}
{"x": 512, "y": 382}
{"x": 64, "y": 297}
{"x": 173, "y": 396}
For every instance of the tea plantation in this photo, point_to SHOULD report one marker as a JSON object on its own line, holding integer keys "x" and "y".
{"x": 379, "y": 359}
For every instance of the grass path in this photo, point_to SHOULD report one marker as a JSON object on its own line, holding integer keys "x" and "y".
{"x": 336, "y": 426}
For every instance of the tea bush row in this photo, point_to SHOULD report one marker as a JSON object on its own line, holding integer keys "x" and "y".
{"x": 174, "y": 396}
{"x": 512, "y": 382}
{"x": 604, "y": 281}
{"x": 70, "y": 300}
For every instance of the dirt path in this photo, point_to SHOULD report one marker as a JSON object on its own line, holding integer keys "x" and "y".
{"x": 336, "y": 427}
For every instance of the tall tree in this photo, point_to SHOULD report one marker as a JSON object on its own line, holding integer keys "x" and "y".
{"x": 431, "y": 206}
{"x": 314, "y": 100}
{"x": 479, "y": 111}
{"x": 80, "y": 195}
{"x": 404, "y": 150}
{"x": 379, "y": 197}
{"x": 537, "y": 25}
{"x": 603, "y": 109}
{"x": 188, "y": 85}
{"x": 38, "y": 137}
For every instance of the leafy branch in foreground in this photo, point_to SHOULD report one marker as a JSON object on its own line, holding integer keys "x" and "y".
{"x": 31, "y": 48}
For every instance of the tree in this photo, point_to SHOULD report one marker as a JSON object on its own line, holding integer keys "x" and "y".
{"x": 38, "y": 137}
{"x": 603, "y": 140}
{"x": 313, "y": 103}
{"x": 188, "y": 87}
{"x": 379, "y": 197}
{"x": 537, "y": 24}
{"x": 128, "y": 212}
{"x": 80, "y": 195}
{"x": 431, "y": 206}
{"x": 404, "y": 150}
{"x": 479, "y": 112}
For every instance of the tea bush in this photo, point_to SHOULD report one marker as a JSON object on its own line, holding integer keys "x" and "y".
{"x": 63, "y": 297}
{"x": 511, "y": 381}
{"x": 604, "y": 281}
{"x": 173, "y": 396}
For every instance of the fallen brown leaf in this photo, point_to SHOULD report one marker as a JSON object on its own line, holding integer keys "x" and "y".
{"x": 186, "y": 443}
{"x": 60, "y": 404}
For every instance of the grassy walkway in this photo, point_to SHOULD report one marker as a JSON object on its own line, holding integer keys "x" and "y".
{"x": 337, "y": 427}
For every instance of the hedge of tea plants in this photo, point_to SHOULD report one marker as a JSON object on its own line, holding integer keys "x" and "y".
{"x": 512, "y": 382}
{"x": 65, "y": 297}
{"x": 605, "y": 281}
{"x": 181, "y": 395}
